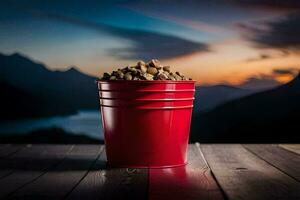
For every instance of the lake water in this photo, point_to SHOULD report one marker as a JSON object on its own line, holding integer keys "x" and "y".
{"x": 85, "y": 122}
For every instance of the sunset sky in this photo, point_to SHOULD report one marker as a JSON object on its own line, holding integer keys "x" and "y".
{"x": 216, "y": 41}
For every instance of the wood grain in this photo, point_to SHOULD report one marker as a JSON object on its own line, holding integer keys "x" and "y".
{"x": 286, "y": 161}
{"x": 193, "y": 181}
{"x": 61, "y": 179}
{"x": 79, "y": 172}
{"x": 7, "y": 153}
{"x": 115, "y": 183}
{"x": 33, "y": 162}
{"x": 291, "y": 147}
{"x": 7, "y": 150}
{"x": 242, "y": 175}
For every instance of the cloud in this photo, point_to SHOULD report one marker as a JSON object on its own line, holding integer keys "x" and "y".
{"x": 203, "y": 5}
{"x": 270, "y": 5}
{"x": 267, "y": 81}
{"x": 169, "y": 16}
{"x": 281, "y": 34}
{"x": 288, "y": 71}
{"x": 265, "y": 56}
{"x": 145, "y": 44}
{"x": 260, "y": 57}
{"x": 260, "y": 82}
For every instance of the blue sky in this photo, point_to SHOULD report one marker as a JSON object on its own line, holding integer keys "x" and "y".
{"x": 212, "y": 41}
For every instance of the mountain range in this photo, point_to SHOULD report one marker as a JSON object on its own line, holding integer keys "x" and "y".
{"x": 267, "y": 116}
{"x": 31, "y": 90}
{"x": 48, "y": 136}
{"x": 208, "y": 97}
{"x": 222, "y": 113}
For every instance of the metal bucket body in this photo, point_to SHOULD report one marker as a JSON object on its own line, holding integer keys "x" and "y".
{"x": 146, "y": 123}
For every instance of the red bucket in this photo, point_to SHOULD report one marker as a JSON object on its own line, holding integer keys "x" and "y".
{"x": 146, "y": 123}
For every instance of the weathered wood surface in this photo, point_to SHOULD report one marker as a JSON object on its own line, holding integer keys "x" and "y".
{"x": 9, "y": 149}
{"x": 193, "y": 181}
{"x": 61, "y": 179}
{"x": 243, "y": 175}
{"x": 214, "y": 171}
{"x": 291, "y": 147}
{"x": 30, "y": 165}
{"x": 280, "y": 158}
{"x": 115, "y": 183}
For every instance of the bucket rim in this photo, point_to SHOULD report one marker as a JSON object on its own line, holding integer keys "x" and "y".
{"x": 150, "y": 99}
{"x": 145, "y": 81}
{"x": 147, "y": 91}
{"x": 149, "y": 107}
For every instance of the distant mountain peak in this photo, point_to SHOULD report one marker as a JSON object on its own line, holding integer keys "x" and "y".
{"x": 73, "y": 69}
{"x": 49, "y": 92}
{"x": 19, "y": 55}
{"x": 227, "y": 86}
{"x": 259, "y": 83}
{"x": 296, "y": 80}
{"x": 13, "y": 65}
{"x": 298, "y": 76}
{"x": 16, "y": 54}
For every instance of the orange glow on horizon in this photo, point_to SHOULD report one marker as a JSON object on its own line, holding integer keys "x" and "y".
{"x": 227, "y": 63}
{"x": 285, "y": 78}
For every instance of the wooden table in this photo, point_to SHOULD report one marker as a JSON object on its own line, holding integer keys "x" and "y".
{"x": 215, "y": 171}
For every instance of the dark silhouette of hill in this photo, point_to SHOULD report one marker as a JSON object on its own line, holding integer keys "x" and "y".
{"x": 259, "y": 84}
{"x": 49, "y": 136}
{"x": 208, "y": 97}
{"x": 16, "y": 103}
{"x": 45, "y": 92}
{"x": 269, "y": 116}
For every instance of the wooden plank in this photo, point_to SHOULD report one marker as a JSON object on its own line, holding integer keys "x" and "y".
{"x": 286, "y": 161}
{"x": 291, "y": 147}
{"x": 193, "y": 181}
{"x": 114, "y": 183}
{"x": 7, "y": 150}
{"x": 60, "y": 180}
{"x": 242, "y": 175}
{"x": 28, "y": 166}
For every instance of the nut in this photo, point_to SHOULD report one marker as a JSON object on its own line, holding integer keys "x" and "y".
{"x": 166, "y": 73}
{"x": 166, "y": 68}
{"x": 177, "y": 77}
{"x": 152, "y": 70}
{"x": 154, "y": 63}
{"x": 143, "y": 68}
{"x": 148, "y": 77}
{"x": 171, "y": 77}
{"x": 162, "y": 76}
{"x": 142, "y": 71}
{"x": 128, "y": 76}
{"x": 106, "y": 76}
{"x": 179, "y": 74}
{"x": 141, "y": 63}
{"x": 131, "y": 69}
{"x": 113, "y": 78}
{"x": 114, "y": 73}
{"x": 120, "y": 74}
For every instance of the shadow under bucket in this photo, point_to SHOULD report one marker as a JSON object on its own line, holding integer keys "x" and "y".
{"x": 146, "y": 123}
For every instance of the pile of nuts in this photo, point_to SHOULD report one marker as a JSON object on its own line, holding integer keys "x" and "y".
{"x": 145, "y": 71}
